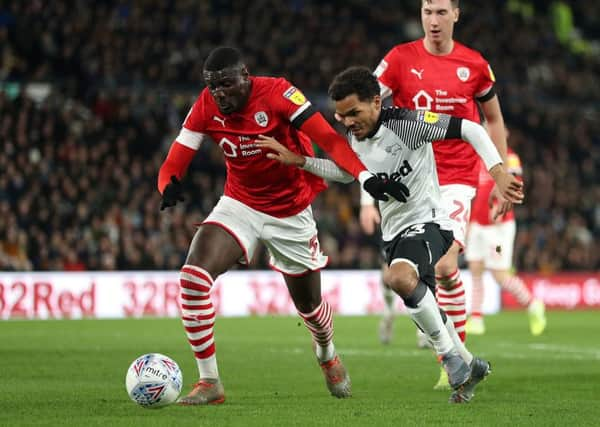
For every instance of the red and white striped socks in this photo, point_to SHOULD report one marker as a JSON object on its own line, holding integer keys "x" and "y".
{"x": 198, "y": 316}
{"x": 451, "y": 298}
{"x": 477, "y": 296}
{"x": 320, "y": 324}
{"x": 515, "y": 286}
{"x": 512, "y": 284}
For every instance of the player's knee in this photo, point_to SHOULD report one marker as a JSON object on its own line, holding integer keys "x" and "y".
{"x": 500, "y": 276}
{"x": 448, "y": 264}
{"x": 402, "y": 278}
{"x": 413, "y": 299}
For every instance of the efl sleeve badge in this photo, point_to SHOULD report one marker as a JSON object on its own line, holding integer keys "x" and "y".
{"x": 294, "y": 95}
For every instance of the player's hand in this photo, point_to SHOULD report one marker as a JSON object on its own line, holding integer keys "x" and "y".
{"x": 280, "y": 153}
{"x": 369, "y": 218}
{"x": 172, "y": 194}
{"x": 509, "y": 187}
{"x": 498, "y": 205}
{"x": 378, "y": 188}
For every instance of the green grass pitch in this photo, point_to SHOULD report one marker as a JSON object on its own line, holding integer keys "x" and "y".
{"x": 59, "y": 373}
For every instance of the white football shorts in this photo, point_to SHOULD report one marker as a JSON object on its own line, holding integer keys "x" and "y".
{"x": 456, "y": 200}
{"x": 492, "y": 244}
{"x": 292, "y": 242}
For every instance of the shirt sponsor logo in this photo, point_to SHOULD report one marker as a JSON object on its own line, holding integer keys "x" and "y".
{"x": 463, "y": 73}
{"x": 404, "y": 169}
{"x": 294, "y": 95}
{"x": 261, "y": 118}
{"x": 422, "y": 100}
{"x": 441, "y": 103}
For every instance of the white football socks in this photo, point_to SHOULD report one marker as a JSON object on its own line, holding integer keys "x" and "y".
{"x": 208, "y": 367}
{"x": 458, "y": 344}
{"x": 427, "y": 316}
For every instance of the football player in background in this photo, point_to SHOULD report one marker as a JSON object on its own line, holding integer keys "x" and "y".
{"x": 490, "y": 242}
{"x": 396, "y": 143}
{"x": 263, "y": 201}
{"x": 439, "y": 74}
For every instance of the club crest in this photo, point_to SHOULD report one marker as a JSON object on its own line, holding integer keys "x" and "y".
{"x": 463, "y": 73}
{"x": 261, "y": 118}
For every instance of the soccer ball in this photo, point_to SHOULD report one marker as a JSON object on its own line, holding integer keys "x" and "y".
{"x": 153, "y": 380}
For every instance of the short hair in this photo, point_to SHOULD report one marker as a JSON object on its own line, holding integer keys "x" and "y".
{"x": 354, "y": 80}
{"x": 453, "y": 2}
{"x": 223, "y": 57}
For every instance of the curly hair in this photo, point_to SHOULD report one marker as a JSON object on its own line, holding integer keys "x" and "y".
{"x": 358, "y": 81}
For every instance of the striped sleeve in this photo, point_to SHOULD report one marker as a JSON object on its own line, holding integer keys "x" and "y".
{"x": 416, "y": 128}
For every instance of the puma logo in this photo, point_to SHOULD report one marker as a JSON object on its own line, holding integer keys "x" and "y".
{"x": 220, "y": 120}
{"x": 418, "y": 73}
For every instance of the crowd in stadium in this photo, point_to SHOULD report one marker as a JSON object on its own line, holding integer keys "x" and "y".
{"x": 93, "y": 93}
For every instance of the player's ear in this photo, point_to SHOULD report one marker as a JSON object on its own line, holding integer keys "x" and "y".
{"x": 456, "y": 14}
{"x": 245, "y": 73}
{"x": 377, "y": 101}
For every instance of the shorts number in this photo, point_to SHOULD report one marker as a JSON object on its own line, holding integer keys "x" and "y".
{"x": 460, "y": 211}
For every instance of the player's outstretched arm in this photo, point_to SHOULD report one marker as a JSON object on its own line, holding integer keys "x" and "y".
{"x": 509, "y": 186}
{"x": 321, "y": 167}
{"x": 377, "y": 187}
{"x": 497, "y": 131}
{"x": 171, "y": 171}
{"x": 279, "y": 152}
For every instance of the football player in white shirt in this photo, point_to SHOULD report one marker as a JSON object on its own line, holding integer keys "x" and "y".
{"x": 396, "y": 143}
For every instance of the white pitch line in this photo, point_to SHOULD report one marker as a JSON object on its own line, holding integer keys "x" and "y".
{"x": 547, "y": 351}
{"x": 551, "y": 350}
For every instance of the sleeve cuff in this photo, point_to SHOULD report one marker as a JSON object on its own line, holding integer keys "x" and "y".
{"x": 363, "y": 176}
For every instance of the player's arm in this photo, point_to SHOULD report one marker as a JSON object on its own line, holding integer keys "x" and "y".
{"x": 180, "y": 155}
{"x": 496, "y": 129}
{"x": 420, "y": 127}
{"x": 494, "y": 123}
{"x": 304, "y": 117}
{"x": 320, "y": 131}
{"x": 171, "y": 171}
{"x": 175, "y": 164}
{"x": 510, "y": 187}
{"x": 324, "y": 168}
{"x": 330, "y": 171}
